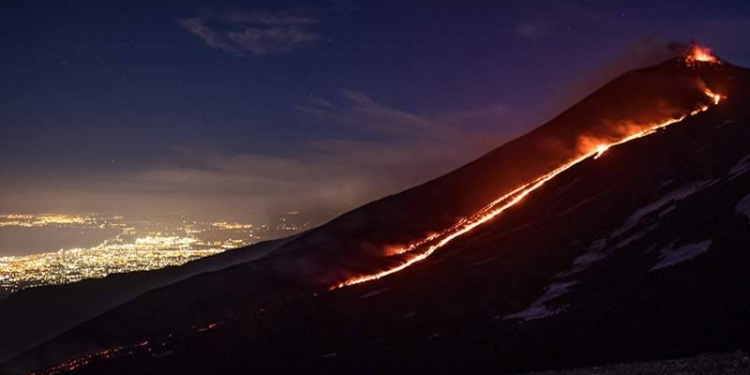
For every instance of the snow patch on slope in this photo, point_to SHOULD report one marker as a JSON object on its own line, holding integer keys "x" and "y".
{"x": 743, "y": 206}
{"x": 592, "y": 255}
{"x": 742, "y": 167}
{"x": 673, "y": 196}
{"x": 670, "y": 256}
{"x": 635, "y": 237}
{"x": 537, "y": 309}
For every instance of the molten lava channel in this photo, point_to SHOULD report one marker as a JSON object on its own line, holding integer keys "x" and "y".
{"x": 423, "y": 248}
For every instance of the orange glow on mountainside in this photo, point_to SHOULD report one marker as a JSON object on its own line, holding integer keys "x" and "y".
{"x": 423, "y": 248}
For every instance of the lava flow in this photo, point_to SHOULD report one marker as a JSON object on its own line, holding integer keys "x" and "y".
{"x": 437, "y": 240}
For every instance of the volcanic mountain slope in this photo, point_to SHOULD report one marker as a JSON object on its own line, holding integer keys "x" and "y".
{"x": 636, "y": 254}
{"x": 638, "y": 99}
{"x": 30, "y": 317}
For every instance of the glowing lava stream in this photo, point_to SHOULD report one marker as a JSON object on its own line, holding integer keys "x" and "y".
{"x": 508, "y": 200}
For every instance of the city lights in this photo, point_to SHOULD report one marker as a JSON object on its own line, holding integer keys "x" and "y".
{"x": 137, "y": 246}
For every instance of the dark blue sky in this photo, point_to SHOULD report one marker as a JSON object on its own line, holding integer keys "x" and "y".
{"x": 247, "y": 108}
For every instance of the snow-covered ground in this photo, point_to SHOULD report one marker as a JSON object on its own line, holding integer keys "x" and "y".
{"x": 671, "y": 256}
{"x": 742, "y": 167}
{"x": 673, "y": 196}
{"x": 743, "y": 206}
{"x": 537, "y": 309}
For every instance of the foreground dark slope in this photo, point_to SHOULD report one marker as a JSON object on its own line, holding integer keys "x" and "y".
{"x": 736, "y": 363}
{"x": 449, "y": 313}
{"x": 30, "y": 317}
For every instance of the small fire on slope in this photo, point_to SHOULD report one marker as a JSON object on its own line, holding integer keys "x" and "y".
{"x": 423, "y": 248}
{"x": 147, "y": 347}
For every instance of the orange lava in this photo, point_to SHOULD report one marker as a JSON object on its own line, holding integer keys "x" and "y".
{"x": 600, "y": 150}
{"x": 208, "y": 327}
{"x": 699, "y": 53}
{"x": 73, "y": 364}
{"x": 117, "y": 352}
{"x": 423, "y": 248}
{"x": 714, "y": 96}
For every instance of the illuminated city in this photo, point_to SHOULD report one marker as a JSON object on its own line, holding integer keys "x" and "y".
{"x": 137, "y": 246}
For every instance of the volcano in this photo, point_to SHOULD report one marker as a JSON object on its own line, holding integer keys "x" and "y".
{"x": 616, "y": 232}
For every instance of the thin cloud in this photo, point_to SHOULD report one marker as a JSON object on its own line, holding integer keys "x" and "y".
{"x": 359, "y": 111}
{"x": 269, "y": 19}
{"x": 255, "y": 33}
{"x": 366, "y": 150}
{"x": 212, "y": 38}
{"x": 320, "y": 102}
{"x": 528, "y": 30}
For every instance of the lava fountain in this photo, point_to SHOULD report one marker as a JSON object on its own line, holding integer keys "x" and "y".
{"x": 697, "y": 53}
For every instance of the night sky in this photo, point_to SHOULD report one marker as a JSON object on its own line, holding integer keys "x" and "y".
{"x": 247, "y": 109}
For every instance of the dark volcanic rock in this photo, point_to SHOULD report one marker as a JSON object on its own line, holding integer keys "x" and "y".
{"x": 725, "y": 364}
